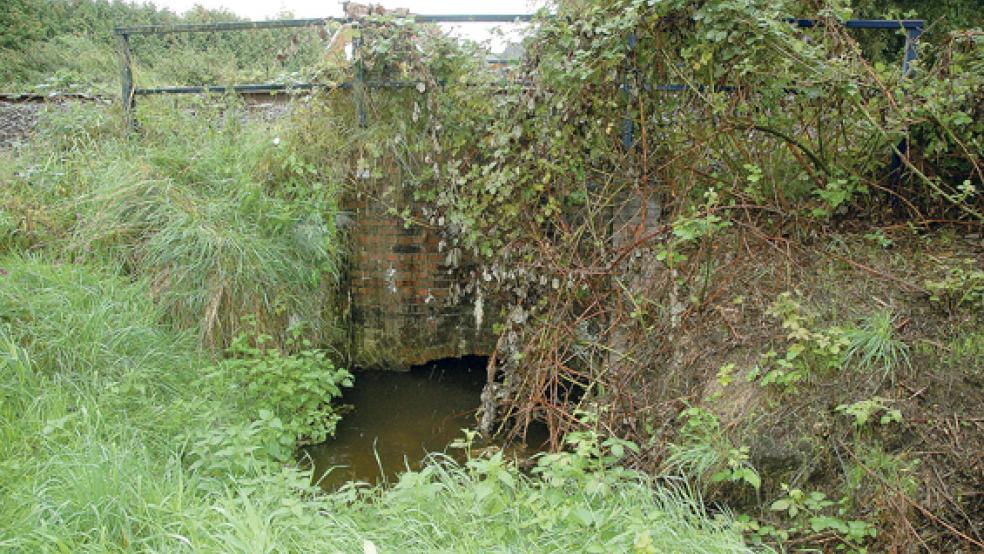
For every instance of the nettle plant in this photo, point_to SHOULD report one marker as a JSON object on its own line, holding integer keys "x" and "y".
{"x": 961, "y": 287}
{"x": 864, "y": 411}
{"x": 592, "y": 465}
{"x": 295, "y": 389}
{"x": 811, "y": 513}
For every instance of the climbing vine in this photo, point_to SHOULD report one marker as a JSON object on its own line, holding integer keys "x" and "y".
{"x": 617, "y": 190}
{"x": 596, "y": 181}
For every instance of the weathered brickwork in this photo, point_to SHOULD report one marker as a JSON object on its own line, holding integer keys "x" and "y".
{"x": 405, "y": 303}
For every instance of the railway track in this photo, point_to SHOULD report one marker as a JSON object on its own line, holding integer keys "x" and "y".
{"x": 37, "y": 97}
{"x": 19, "y": 112}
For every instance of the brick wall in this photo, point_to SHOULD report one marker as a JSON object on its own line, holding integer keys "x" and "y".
{"x": 403, "y": 305}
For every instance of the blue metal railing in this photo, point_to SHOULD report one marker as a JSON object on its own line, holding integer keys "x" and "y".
{"x": 913, "y": 30}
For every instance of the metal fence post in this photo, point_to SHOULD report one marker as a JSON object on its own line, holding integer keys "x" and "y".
{"x": 912, "y": 35}
{"x": 911, "y": 52}
{"x": 628, "y": 122}
{"x": 126, "y": 80}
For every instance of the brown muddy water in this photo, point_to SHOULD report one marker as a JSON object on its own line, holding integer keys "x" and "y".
{"x": 396, "y": 419}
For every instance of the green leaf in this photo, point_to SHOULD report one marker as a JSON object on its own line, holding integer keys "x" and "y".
{"x": 820, "y": 524}
{"x": 780, "y": 505}
{"x": 752, "y": 477}
{"x": 583, "y": 516}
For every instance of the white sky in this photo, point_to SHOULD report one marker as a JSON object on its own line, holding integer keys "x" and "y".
{"x": 269, "y": 9}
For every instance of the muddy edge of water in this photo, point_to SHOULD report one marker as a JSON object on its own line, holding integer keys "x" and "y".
{"x": 397, "y": 418}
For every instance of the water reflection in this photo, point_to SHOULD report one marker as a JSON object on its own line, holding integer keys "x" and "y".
{"x": 397, "y": 418}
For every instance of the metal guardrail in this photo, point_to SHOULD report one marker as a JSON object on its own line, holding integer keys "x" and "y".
{"x": 912, "y": 27}
{"x": 913, "y": 30}
{"x": 15, "y": 97}
{"x": 130, "y": 91}
{"x": 895, "y": 24}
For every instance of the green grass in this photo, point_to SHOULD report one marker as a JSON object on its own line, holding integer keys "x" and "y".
{"x": 223, "y": 222}
{"x": 874, "y": 348}
{"x": 106, "y": 417}
{"x": 95, "y": 394}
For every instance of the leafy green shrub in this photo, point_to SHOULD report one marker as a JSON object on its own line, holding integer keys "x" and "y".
{"x": 295, "y": 389}
{"x": 863, "y": 411}
{"x": 961, "y": 287}
{"x": 592, "y": 464}
{"x": 810, "y": 351}
{"x": 809, "y": 513}
{"x": 242, "y": 449}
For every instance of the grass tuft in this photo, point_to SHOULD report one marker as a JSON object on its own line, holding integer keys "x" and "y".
{"x": 874, "y": 347}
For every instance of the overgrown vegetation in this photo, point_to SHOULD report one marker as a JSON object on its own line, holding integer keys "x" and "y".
{"x": 726, "y": 270}
{"x": 761, "y": 283}
{"x": 124, "y": 424}
{"x": 294, "y": 388}
{"x": 115, "y": 438}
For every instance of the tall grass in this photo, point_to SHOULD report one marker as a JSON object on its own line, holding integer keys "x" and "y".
{"x": 94, "y": 393}
{"x": 486, "y": 505}
{"x": 101, "y": 408}
{"x": 222, "y": 220}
